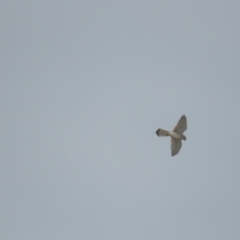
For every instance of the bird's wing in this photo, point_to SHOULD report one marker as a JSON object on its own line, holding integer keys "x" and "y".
{"x": 176, "y": 145}
{"x": 181, "y": 125}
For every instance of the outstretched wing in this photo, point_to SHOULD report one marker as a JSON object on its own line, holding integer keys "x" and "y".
{"x": 176, "y": 145}
{"x": 181, "y": 125}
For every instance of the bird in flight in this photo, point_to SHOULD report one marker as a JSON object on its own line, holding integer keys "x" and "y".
{"x": 176, "y": 135}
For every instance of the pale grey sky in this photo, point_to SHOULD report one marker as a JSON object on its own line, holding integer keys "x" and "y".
{"x": 84, "y": 86}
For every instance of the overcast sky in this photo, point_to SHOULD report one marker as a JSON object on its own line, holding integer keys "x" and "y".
{"x": 84, "y": 85}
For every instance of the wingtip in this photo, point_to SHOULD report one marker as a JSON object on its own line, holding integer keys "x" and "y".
{"x": 157, "y": 132}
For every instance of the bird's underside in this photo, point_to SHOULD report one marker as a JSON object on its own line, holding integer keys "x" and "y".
{"x": 176, "y": 135}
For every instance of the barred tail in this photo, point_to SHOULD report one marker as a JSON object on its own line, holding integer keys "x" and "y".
{"x": 162, "y": 133}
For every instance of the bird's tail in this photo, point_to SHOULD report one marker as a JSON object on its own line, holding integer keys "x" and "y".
{"x": 162, "y": 133}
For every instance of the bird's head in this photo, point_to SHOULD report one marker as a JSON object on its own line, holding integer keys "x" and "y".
{"x": 184, "y": 137}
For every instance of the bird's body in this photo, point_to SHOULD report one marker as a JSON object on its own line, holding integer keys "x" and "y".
{"x": 176, "y": 135}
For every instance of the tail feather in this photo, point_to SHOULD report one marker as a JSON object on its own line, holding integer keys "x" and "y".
{"x": 162, "y": 133}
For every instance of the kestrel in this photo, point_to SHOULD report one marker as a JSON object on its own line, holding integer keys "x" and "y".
{"x": 176, "y": 135}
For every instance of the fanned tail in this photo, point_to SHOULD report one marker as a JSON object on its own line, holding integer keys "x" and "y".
{"x": 162, "y": 133}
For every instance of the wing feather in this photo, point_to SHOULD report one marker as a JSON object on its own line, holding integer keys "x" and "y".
{"x": 176, "y": 145}
{"x": 181, "y": 125}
